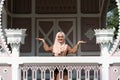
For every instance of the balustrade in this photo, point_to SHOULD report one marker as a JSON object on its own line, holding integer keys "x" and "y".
{"x": 90, "y": 71}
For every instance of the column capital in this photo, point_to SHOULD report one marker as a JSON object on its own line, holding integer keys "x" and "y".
{"x": 14, "y": 38}
{"x": 104, "y": 37}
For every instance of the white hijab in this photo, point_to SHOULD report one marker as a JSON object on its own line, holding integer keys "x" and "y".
{"x": 57, "y": 47}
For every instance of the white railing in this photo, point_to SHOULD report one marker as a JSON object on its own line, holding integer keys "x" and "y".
{"x": 47, "y": 71}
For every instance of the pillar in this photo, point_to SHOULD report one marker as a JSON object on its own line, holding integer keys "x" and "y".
{"x": 104, "y": 37}
{"x": 15, "y": 37}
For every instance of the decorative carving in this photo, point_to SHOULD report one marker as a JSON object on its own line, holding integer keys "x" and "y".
{"x": 104, "y": 35}
{"x": 60, "y": 67}
{"x": 115, "y": 46}
{"x": 4, "y": 51}
{"x": 90, "y": 34}
{"x": 15, "y": 35}
{"x": 14, "y": 38}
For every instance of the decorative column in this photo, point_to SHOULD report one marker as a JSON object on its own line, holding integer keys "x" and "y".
{"x": 14, "y": 38}
{"x": 52, "y": 69}
{"x": 104, "y": 37}
{"x": 95, "y": 74}
{"x": 69, "y": 68}
{"x": 78, "y": 69}
{"x": 87, "y": 73}
{"x": 25, "y": 74}
{"x": 34, "y": 73}
{"x": 61, "y": 70}
{"x": 43, "y": 69}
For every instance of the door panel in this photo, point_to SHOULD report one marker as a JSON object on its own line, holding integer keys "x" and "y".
{"x": 47, "y": 29}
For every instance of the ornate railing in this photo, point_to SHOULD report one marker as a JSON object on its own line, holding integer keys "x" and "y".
{"x": 47, "y": 71}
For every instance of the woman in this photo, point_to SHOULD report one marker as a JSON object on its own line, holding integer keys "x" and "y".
{"x": 60, "y": 48}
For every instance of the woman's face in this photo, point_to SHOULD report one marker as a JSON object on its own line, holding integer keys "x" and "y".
{"x": 60, "y": 38}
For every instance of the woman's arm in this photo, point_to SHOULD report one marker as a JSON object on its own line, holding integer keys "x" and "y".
{"x": 45, "y": 45}
{"x": 75, "y": 48}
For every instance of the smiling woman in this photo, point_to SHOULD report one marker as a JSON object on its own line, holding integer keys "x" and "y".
{"x": 60, "y": 48}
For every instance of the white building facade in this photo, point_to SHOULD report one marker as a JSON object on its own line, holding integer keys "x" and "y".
{"x": 15, "y": 67}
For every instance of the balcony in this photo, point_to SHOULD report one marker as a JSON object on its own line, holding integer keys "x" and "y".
{"x": 72, "y": 71}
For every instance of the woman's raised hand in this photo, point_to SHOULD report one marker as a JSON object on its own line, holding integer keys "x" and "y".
{"x": 79, "y": 42}
{"x": 41, "y": 39}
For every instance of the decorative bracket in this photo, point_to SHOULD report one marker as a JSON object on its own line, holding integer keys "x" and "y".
{"x": 14, "y": 38}
{"x": 104, "y": 37}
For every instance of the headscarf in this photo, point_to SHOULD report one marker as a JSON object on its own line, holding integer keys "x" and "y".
{"x": 57, "y": 47}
